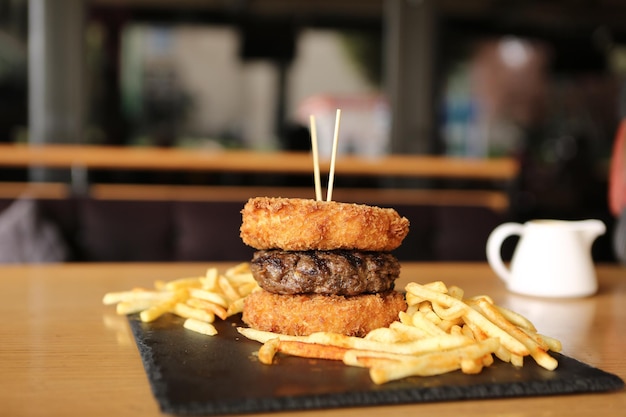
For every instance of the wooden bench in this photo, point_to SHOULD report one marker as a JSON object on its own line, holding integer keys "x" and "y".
{"x": 494, "y": 200}
{"x": 175, "y": 159}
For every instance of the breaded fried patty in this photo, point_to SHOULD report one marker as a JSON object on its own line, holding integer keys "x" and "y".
{"x": 295, "y": 224}
{"x": 302, "y": 315}
{"x": 325, "y": 272}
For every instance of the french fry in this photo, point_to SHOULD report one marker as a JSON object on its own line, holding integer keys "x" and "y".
{"x": 447, "y": 325}
{"x": 134, "y": 306}
{"x": 199, "y": 326}
{"x": 163, "y": 307}
{"x": 467, "y": 331}
{"x": 516, "y": 318}
{"x": 471, "y": 365}
{"x": 188, "y": 312}
{"x": 456, "y": 292}
{"x": 181, "y": 283}
{"x": 355, "y": 355}
{"x": 553, "y": 344}
{"x": 408, "y": 348}
{"x": 247, "y": 288}
{"x": 516, "y": 360}
{"x": 262, "y": 336}
{"x": 209, "y": 281}
{"x": 478, "y": 334}
{"x": 210, "y": 296}
{"x": 357, "y": 358}
{"x": 311, "y": 350}
{"x": 491, "y": 330}
{"x": 384, "y": 335}
{"x": 412, "y": 299}
{"x": 133, "y": 295}
{"x": 407, "y": 332}
{"x": 487, "y": 360}
{"x": 155, "y": 311}
{"x": 505, "y": 356}
{"x": 241, "y": 278}
{"x": 406, "y": 318}
{"x": 228, "y": 290}
{"x": 537, "y": 352}
{"x": 453, "y": 313}
{"x": 434, "y": 363}
{"x": 480, "y": 297}
{"x": 268, "y": 351}
{"x": 438, "y": 286}
{"x": 235, "y": 307}
{"x": 350, "y": 342}
{"x": 421, "y": 321}
{"x": 241, "y": 268}
{"x": 216, "y": 309}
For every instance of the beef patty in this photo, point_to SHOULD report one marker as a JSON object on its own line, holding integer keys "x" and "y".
{"x": 325, "y": 272}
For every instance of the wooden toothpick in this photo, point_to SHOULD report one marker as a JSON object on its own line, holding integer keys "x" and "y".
{"x": 316, "y": 162}
{"x": 331, "y": 175}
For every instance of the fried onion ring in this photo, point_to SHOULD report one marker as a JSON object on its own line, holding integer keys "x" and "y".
{"x": 303, "y": 314}
{"x": 295, "y": 224}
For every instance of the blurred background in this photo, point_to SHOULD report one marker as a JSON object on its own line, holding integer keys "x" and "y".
{"x": 538, "y": 81}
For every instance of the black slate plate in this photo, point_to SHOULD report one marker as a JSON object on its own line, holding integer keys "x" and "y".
{"x": 193, "y": 374}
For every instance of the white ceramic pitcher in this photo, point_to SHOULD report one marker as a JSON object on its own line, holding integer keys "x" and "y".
{"x": 551, "y": 259}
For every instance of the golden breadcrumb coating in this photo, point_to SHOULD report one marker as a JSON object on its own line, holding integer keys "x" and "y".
{"x": 295, "y": 224}
{"x": 303, "y": 314}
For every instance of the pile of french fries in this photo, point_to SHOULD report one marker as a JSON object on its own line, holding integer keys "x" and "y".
{"x": 199, "y": 300}
{"x": 440, "y": 332}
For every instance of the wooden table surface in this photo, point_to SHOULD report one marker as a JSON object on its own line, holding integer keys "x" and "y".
{"x": 63, "y": 353}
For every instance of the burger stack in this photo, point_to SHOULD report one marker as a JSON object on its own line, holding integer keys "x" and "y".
{"x": 322, "y": 266}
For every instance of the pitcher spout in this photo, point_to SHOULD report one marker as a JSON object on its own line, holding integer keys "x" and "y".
{"x": 591, "y": 229}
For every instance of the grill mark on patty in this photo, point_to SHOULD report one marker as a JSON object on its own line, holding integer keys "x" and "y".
{"x": 325, "y": 272}
{"x": 320, "y": 265}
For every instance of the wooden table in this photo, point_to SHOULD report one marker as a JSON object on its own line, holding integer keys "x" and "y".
{"x": 62, "y": 353}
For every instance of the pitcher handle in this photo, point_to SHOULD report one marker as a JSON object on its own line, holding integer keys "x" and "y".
{"x": 494, "y": 247}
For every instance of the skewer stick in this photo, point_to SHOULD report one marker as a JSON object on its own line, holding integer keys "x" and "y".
{"x": 316, "y": 162}
{"x": 331, "y": 175}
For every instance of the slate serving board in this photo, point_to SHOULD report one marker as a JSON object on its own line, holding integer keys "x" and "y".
{"x": 193, "y": 374}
